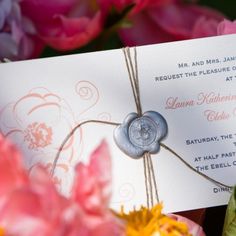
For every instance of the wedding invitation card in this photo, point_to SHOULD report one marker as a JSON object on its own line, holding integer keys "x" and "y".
{"x": 192, "y": 84}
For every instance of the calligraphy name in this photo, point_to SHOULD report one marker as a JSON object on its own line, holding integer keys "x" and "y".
{"x": 201, "y": 99}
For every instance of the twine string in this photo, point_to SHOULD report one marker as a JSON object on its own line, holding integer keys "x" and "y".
{"x": 149, "y": 174}
{"x": 149, "y": 171}
{"x": 149, "y": 181}
{"x": 69, "y": 135}
{"x": 146, "y": 181}
{"x": 218, "y": 183}
{"x": 153, "y": 177}
{"x": 132, "y": 68}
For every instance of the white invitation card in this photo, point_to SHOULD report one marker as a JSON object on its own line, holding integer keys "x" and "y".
{"x": 192, "y": 84}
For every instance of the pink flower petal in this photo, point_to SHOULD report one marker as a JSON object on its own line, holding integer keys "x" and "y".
{"x": 144, "y": 31}
{"x": 92, "y": 186}
{"x": 65, "y": 25}
{"x": 32, "y": 206}
{"x": 205, "y": 28}
{"x": 163, "y": 21}
{"x": 12, "y": 174}
{"x": 194, "y": 229}
{"x": 71, "y": 33}
{"x": 179, "y": 19}
{"x": 226, "y": 27}
{"x": 49, "y": 9}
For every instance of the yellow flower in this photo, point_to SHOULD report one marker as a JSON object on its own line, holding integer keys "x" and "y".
{"x": 2, "y": 231}
{"x": 151, "y": 222}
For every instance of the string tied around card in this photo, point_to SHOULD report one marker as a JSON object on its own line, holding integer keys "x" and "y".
{"x": 140, "y": 135}
{"x": 137, "y": 135}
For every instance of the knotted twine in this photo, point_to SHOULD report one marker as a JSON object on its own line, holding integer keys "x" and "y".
{"x": 149, "y": 172}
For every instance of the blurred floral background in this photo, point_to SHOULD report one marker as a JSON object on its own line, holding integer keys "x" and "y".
{"x": 39, "y": 28}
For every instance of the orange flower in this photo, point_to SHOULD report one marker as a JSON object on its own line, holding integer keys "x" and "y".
{"x": 2, "y": 231}
{"x": 151, "y": 222}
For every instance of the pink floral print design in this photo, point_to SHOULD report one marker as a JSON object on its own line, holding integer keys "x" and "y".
{"x": 37, "y": 123}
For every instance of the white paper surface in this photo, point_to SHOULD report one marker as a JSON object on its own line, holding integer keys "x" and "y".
{"x": 42, "y": 100}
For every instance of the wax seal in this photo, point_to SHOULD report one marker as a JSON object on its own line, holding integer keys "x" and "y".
{"x": 140, "y": 134}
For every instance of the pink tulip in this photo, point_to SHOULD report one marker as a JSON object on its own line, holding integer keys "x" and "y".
{"x": 194, "y": 229}
{"x": 17, "y": 33}
{"x": 33, "y": 207}
{"x": 163, "y": 21}
{"x": 65, "y": 24}
{"x": 226, "y": 27}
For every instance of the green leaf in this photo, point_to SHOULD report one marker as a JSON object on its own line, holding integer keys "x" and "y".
{"x": 230, "y": 217}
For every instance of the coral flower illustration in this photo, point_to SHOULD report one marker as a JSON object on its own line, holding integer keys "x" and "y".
{"x": 37, "y": 123}
{"x": 38, "y": 135}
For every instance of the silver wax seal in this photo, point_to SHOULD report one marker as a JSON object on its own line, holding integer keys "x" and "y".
{"x": 137, "y": 135}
